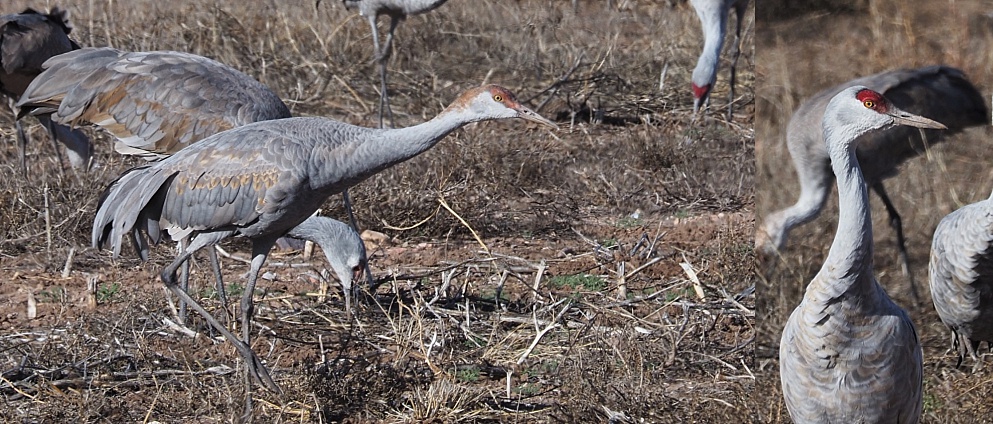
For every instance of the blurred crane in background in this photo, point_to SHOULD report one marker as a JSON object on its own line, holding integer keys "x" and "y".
{"x": 714, "y": 18}
{"x": 397, "y": 10}
{"x": 27, "y": 40}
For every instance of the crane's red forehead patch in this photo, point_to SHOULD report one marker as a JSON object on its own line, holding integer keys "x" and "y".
{"x": 872, "y": 100}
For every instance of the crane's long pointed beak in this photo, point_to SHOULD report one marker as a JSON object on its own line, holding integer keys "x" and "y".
{"x": 906, "y": 118}
{"x": 530, "y": 115}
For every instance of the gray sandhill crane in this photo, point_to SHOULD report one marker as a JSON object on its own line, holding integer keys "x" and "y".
{"x": 397, "y": 10}
{"x": 154, "y": 103}
{"x": 939, "y": 92}
{"x": 849, "y": 354}
{"x": 27, "y": 40}
{"x": 260, "y": 180}
{"x": 961, "y": 276}
{"x": 714, "y": 18}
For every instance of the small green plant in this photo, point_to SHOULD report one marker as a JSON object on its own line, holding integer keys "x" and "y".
{"x": 630, "y": 222}
{"x": 527, "y": 389}
{"x": 106, "y": 292}
{"x": 575, "y": 281}
{"x": 468, "y": 375}
{"x": 473, "y": 341}
{"x": 683, "y": 214}
{"x": 678, "y": 294}
{"x": 609, "y": 243}
{"x": 55, "y": 295}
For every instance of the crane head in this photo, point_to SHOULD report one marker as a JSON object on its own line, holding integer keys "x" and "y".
{"x": 700, "y": 95}
{"x": 858, "y": 110}
{"x": 495, "y": 102}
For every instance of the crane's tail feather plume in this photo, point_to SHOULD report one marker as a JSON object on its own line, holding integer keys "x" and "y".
{"x": 129, "y": 206}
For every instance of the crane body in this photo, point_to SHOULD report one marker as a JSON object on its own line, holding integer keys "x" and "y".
{"x": 961, "y": 276}
{"x": 848, "y": 353}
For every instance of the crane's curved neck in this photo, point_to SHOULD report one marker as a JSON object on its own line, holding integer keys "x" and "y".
{"x": 849, "y": 263}
{"x": 713, "y": 19}
{"x": 339, "y": 166}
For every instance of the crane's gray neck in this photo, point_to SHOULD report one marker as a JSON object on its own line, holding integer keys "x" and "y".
{"x": 714, "y": 23}
{"x": 341, "y": 165}
{"x": 848, "y": 265}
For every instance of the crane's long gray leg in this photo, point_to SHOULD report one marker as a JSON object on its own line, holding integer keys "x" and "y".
{"x": 252, "y": 361}
{"x": 22, "y": 137}
{"x": 897, "y": 225}
{"x": 49, "y": 126}
{"x": 260, "y": 250}
{"x": 22, "y": 146}
{"x": 735, "y": 52}
{"x": 215, "y": 265}
{"x": 184, "y": 278}
{"x": 78, "y": 146}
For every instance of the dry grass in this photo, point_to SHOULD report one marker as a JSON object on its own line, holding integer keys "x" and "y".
{"x": 453, "y": 333}
{"x": 803, "y": 54}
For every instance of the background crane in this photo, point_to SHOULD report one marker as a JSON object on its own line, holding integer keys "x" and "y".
{"x": 27, "y": 40}
{"x": 713, "y": 19}
{"x": 260, "y": 180}
{"x": 397, "y": 10}
{"x": 961, "y": 276}
{"x": 938, "y": 92}
{"x": 848, "y": 352}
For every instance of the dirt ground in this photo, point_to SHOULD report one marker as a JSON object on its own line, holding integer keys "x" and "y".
{"x": 612, "y": 278}
{"x": 802, "y": 54}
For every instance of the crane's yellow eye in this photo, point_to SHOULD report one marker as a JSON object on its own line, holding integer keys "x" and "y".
{"x": 498, "y": 98}
{"x": 869, "y": 104}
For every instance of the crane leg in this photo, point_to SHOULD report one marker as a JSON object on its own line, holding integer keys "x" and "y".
{"x": 260, "y": 250}
{"x": 897, "y": 225}
{"x": 381, "y": 55}
{"x": 252, "y": 362}
{"x": 215, "y": 265}
{"x": 22, "y": 138}
{"x": 22, "y": 145}
{"x": 184, "y": 280}
{"x": 47, "y": 123}
{"x": 735, "y": 52}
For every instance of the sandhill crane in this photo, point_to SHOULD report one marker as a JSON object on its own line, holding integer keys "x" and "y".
{"x": 397, "y": 10}
{"x": 714, "y": 18}
{"x": 154, "y": 103}
{"x": 939, "y": 92}
{"x": 27, "y": 40}
{"x": 849, "y": 354}
{"x": 260, "y": 180}
{"x": 961, "y": 276}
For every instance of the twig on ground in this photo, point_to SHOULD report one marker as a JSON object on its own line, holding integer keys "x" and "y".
{"x": 541, "y": 333}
